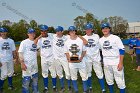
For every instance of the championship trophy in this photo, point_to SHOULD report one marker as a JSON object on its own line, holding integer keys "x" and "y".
{"x": 74, "y": 57}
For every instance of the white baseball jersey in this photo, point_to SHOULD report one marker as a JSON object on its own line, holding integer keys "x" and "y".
{"x": 46, "y": 46}
{"x": 110, "y": 49}
{"x": 93, "y": 47}
{"x": 29, "y": 50}
{"x": 80, "y": 47}
{"x": 7, "y": 46}
{"x": 58, "y": 47}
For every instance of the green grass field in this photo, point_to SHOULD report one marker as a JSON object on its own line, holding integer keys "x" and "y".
{"x": 132, "y": 79}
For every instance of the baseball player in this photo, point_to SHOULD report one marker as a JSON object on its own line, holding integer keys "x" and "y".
{"x": 137, "y": 47}
{"x": 60, "y": 57}
{"x": 93, "y": 57}
{"x": 113, "y": 54}
{"x": 80, "y": 65}
{"x": 7, "y": 54}
{"x": 45, "y": 44}
{"x": 28, "y": 59}
{"x": 132, "y": 43}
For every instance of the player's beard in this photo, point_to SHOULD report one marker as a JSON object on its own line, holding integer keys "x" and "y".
{"x": 44, "y": 34}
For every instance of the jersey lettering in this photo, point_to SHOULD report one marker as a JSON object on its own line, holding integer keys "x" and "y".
{"x": 91, "y": 43}
{"x": 6, "y": 46}
{"x": 46, "y": 44}
{"x": 60, "y": 43}
{"x": 34, "y": 48}
{"x": 106, "y": 45}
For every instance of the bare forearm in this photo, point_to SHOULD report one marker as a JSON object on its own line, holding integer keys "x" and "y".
{"x": 84, "y": 40}
{"x": 21, "y": 57}
{"x": 137, "y": 47}
{"x": 83, "y": 54}
{"x": 121, "y": 59}
{"x": 36, "y": 40}
{"x": 15, "y": 55}
{"x": 68, "y": 56}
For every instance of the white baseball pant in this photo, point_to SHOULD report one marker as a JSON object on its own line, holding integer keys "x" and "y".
{"x": 31, "y": 69}
{"x": 48, "y": 66}
{"x": 7, "y": 69}
{"x": 60, "y": 65}
{"x": 82, "y": 71}
{"x": 111, "y": 73}
{"x": 96, "y": 66}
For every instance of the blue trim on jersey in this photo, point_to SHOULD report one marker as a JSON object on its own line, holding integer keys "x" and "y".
{"x": 122, "y": 52}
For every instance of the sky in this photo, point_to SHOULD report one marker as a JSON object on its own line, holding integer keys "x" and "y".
{"x": 63, "y": 12}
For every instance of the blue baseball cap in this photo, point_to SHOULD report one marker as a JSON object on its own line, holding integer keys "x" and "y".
{"x": 89, "y": 26}
{"x": 31, "y": 30}
{"x": 103, "y": 25}
{"x": 72, "y": 28}
{"x": 59, "y": 28}
{"x": 43, "y": 27}
{"x": 2, "y": 29}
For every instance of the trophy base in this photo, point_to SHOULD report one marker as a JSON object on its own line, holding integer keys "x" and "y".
{"x": 74, "y": 59}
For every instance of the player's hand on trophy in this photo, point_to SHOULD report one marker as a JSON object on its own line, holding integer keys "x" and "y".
{"x": 120, "y": 66}
{"x": 23, "y": 66}
{"x": 68, "y": 59}
{"x": 80, "y": 59}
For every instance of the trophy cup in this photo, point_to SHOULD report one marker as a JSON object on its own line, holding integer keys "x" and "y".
{"x": 74, "y": 57}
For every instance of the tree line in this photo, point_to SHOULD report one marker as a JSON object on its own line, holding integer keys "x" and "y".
{"x": 18, "y": 30}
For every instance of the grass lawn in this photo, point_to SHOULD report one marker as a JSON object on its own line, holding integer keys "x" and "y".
{"x": 132, "y": 79}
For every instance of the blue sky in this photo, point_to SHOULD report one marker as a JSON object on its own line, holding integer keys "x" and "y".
{"x": 62, "y": 12}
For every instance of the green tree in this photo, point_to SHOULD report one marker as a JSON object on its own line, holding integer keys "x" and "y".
{"x": 80, "y": 21}
{"x": 33, "y": 24}
{"x": 118, "y": 24}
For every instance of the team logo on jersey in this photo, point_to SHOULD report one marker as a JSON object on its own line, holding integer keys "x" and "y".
{"x": 91, "y": 43}
{"x": 34, "y": 48}
{"x": 60, "y": 43}
{"x": 106, "y": 45}
{"x": 5, "y": 46}
{"x": 46, "y": 44}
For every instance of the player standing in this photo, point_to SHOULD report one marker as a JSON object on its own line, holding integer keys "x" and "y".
{"x": 80, "y": 66}
{"x": 132, "y": 43}
{"x": 137, "y": 47}
{"x": 113, "y": 54}
{"x": 28, "y": 59}
{"x": 7, "y": 53}
{"x": 93, "y": 57}
{"x": 60, "y": 57}
{"x": 45, "y": 44}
